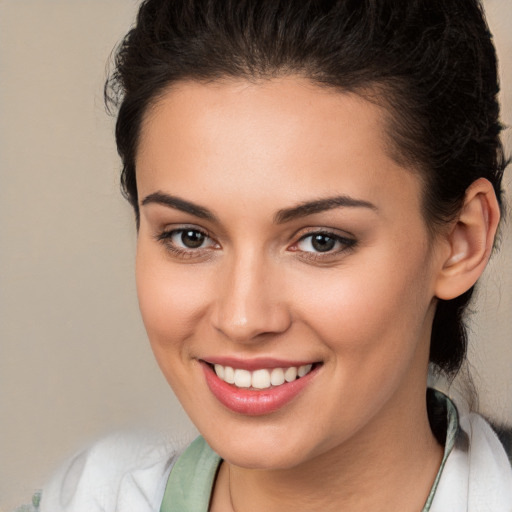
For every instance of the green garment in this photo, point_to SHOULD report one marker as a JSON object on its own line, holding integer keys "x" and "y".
{"x": 192, "y": 477}
{"x": 191, "y": 480}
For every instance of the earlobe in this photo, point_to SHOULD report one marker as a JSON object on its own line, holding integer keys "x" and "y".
{"x": 470, "y": 241}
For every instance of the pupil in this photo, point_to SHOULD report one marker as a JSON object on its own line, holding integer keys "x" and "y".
{"x": 323, "y": 243}
{"x": 192, "y": 239}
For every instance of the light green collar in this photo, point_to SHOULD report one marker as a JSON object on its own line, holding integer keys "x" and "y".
{"x": 190, "y": 483}
{"x": 451, "y": 435}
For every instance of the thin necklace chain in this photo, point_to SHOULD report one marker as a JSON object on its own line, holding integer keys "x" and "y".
{"x": 229, "y": 489}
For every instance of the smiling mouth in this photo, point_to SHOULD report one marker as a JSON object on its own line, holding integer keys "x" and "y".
{"x": 259, "y": 387}
{"x": 263, "y": 378}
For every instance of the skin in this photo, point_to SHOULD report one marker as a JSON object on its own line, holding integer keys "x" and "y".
{"x": 357, "y": 436}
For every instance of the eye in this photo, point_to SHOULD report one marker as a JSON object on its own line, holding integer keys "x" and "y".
{"x": 318, "y": 242}
{"x": 186, "y": 241}
{"x": 323, "y": 243}
{"x": 188, "y": 238}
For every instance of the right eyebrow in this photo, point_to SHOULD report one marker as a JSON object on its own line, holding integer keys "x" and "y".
{"x": 179, "y": 204}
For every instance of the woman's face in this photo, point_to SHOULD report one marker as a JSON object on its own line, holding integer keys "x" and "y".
{"x": 278, "y": 235}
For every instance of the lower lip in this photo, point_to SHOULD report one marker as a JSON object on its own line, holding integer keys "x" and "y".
{"x": 251, "y": 402}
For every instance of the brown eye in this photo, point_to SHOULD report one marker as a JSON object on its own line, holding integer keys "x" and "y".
{"x": 322, "y": 243}
{"x": 186, "y": 240}
{"x": 191, "y": 238}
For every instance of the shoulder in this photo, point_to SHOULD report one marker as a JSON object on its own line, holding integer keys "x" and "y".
{"x": 489, "y": 463}
{"x": 120, "y": 473}
{"x": 477, "y": 475}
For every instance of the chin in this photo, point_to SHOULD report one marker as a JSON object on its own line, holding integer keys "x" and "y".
{"x": 265, "y": 449}
{"x": 253, "y": 457}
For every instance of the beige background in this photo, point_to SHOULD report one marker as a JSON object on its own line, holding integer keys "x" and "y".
{"x": 74, "y": 361}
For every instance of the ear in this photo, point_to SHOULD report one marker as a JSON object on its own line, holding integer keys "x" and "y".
{"x": 470, "y": 241}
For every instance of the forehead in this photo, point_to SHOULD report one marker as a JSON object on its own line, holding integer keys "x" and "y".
{"x": 235, "y": 136}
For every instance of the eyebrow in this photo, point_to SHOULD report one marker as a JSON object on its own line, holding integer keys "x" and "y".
{"x": 320, "y": 205}
{"x": 282, "y": 216}
{"x": 179, "y": 204}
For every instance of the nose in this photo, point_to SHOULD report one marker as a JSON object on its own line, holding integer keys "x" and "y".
{"x": 250, "y": 302}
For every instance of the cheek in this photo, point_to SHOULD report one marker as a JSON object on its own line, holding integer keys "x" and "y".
{"x": 373, "y": 324}
{"x": 171, "y": 299}
{"x": 370, "y": 313}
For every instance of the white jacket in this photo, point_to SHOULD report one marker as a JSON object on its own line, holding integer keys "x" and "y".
{"x": 128, "y": 473}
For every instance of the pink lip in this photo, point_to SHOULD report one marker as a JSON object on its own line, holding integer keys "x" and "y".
{"x": 251, "y": 402}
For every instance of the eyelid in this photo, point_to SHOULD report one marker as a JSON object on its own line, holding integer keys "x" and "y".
{"x": 167, "y": 231}
{"x": 344, "y": 240}
{"x": 331, "y": 232}
{"x": 347, "y": 241}
{"x": 165, "y": 235}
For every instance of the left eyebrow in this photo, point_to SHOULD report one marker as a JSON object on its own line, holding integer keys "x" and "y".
{"x": 320, "y": 205}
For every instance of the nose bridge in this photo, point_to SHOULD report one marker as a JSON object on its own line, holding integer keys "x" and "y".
{"x": 249, "y": 302}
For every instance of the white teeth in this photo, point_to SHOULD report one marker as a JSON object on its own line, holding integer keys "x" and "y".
{"x": 229, "y": 375}
{"x": 262, "y": 378}
{"x": 242, "y": 379}
{"x": 304, "y": 370}
{"x": 219, "y": 370}
{"x": 290, "y": 374}
{"x": 277, "y": 377}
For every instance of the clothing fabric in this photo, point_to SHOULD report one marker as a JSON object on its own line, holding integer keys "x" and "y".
{"x": 126, "y": 473}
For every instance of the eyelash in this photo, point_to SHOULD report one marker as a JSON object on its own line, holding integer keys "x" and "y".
{"x": 347, "y": 244}
{"x": 165, "y": 237}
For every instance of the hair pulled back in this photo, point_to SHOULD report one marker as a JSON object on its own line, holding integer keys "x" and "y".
{"x": 430, "y": 63}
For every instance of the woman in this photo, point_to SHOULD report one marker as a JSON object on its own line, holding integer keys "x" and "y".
{"x": 317, "y": 189}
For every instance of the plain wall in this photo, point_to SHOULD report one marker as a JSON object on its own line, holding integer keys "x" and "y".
{"x": 74, "y": 359}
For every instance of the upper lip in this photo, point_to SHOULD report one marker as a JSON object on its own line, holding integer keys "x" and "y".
{"x": 255, "y": 363}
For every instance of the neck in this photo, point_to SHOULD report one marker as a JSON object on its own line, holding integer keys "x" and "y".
{"x": 390, "y": 465}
